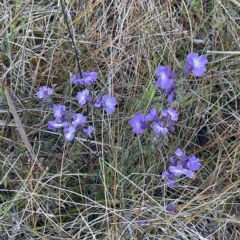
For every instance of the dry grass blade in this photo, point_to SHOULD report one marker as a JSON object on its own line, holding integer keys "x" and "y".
{"x": 235, "y": 2}
{"x": 20, "y": 126}
{"x": 110, "y": 186}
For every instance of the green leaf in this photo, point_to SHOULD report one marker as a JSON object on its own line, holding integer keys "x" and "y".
{"x": 149, "y": 93}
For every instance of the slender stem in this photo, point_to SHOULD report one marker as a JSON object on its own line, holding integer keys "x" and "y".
{"x": 71, "y": 36}
{"x": 75, "y": 49}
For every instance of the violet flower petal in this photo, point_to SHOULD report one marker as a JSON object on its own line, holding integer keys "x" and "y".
{"x": 109, "y": 103}
{"x": 136, "y": 123}
{"x": 83, "y": 97}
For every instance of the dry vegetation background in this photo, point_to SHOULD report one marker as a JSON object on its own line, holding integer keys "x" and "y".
{"x": 100, "y": 189}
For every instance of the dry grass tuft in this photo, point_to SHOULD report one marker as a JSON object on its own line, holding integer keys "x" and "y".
{"x": 105, "y": 188}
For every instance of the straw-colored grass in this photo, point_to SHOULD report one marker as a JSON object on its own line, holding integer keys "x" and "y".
{"x": 101, "y": 189}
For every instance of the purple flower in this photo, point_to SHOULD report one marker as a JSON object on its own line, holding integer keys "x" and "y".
{"x": 69, "y": 132}
{"x": 165, "y": 77}
{"x": 171, "y": 97}
{"x": 171, "y": 208}
{"x": 87, "y": 78}
{"x": 59, "y": 111}
{"x": 170, "y": 113}
{"x": 179, "y": 170}
{"x": 152, "y": 115}
{"x": 97, "y": 103}
{"x": 88, "y": 131}
{"x": 137, "y": 123}
{"x": 44, "y": 92}
{"x": 171, "y": 93}
{"x": 79, "y": 119}
{"x": 109, "y": 103}
{"x": 169, "y": 90}
{"x": 56, "y": 124}
{"x": 75, "y": 78}
{"x": 181, "y": 154}
{"x": 184, "y": 165}
{"x": 169, "y": 178}
{"x": 196, "y": 64}
{"x": 159, "y": 128}
{"x": 172, "y": 161}
{"x": 83, "y": 97}
{"x": 193, "y": 163}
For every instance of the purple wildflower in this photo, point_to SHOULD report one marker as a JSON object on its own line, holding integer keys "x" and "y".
{"x": 138, "y": 124}
{"x": 193, "y": 163}
{"x": 165, "y": 77}
{"x": 184, "y": 165}
{"x": 44, "y": 92}
{"x": 56, "y": 124}
{"x": 75, "y": 78}
{"x": 87, "y": 78}
{"x": 196, "y": 64}
{"x": 172, "y": 161}
{"x": 159, "y": 128}
{"x": 69, "y": 132}
{"x": 169, "y": 90}
{"x": 109, "y": 103}
{"x": 171, "y": 93}
{"x": 170, "y": 113}
{"x": 171, "y": 208}
{"x": 83, "y": 97}
{"x": 97, "y": 103}
{"x": 181, "y": 154}
{"x": 179, "y": 170}
{"x": 78, "y": 120}
{"x": 59, "y": 111}
{"x": 169, "y": 178}
{"x": 88, "y": 131}
{"x": 171, "y": 96}
{"x": 152, "y": 115}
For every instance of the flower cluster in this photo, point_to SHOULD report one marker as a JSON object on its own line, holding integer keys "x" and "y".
{"x": 107, "y": 102}
{"x": 160, "y": 125}
{"x": 68, "y": 121}
{"x": 165, "y": 81}
{"x": 88, "y": 78}
{"x": 44, "y": 92}
{"x": 164, "y": 123}
{"x": 165, "y": 77}
{"x": 180, "y": 165}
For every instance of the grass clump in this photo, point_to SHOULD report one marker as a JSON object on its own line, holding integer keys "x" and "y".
{"x": 110, "y": 186}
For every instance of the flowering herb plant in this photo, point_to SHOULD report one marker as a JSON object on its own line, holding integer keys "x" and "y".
{"x": 180, "y": 165}
{"x": 160, "y": 123}
{"x": 68, "y": 121}
{"x": 163, "y": 123}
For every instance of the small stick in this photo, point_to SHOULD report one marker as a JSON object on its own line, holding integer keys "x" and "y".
{"x": 71, "y": 36}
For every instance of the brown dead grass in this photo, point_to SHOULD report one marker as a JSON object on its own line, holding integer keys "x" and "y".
{"x": 98, "y": 189}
